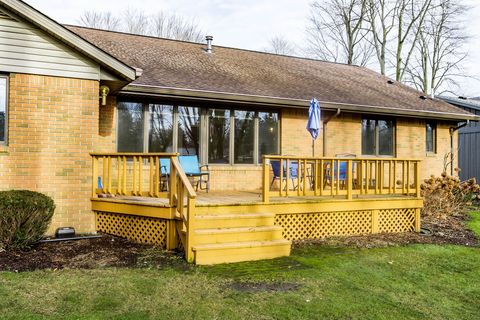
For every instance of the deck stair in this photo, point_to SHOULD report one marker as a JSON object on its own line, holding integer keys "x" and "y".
{"x": 224, "y": 238}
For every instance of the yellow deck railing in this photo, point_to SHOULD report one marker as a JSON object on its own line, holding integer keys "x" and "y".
{"x": 339, "y": 176}
{"x": 154, "y": 175}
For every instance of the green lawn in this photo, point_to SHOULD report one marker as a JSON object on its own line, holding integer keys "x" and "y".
{"x": 410, "y": 282}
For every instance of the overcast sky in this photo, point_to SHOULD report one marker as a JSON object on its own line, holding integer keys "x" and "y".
{"x": 247, "y": 24}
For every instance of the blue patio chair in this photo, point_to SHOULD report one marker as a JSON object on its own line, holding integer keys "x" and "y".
{"x": 276, "y": 172}
{"x": 193, "y": 169}
{"x": 164, "y": 173}
{"x": 342, "y": 175}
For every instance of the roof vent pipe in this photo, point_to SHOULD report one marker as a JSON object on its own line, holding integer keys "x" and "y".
{"x": 209, "y": 43}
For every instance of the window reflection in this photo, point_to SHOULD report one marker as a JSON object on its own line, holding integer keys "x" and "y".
{"x": 219, "y": 136}
{"x": 188, "y": 130}
{"x": 130, "y": 127}
{"x": 3, "y": 108}
{"x": 244, "y": 136}
{"x": 268, "y": 137}
{"x": 161, "y": 128}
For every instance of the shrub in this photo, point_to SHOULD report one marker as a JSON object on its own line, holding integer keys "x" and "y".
{"x": 446, "y": 195}
{"x": 24, "y": 217}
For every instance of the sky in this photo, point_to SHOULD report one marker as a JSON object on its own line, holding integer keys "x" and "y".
{"x": 248, "y": 24}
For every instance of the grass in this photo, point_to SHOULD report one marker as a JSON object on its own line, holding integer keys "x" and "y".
{"x": 474, "y": 223}
{"x": 316, "y": 282}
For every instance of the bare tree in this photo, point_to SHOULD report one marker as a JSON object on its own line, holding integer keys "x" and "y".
{"x": 337, "y": 33}
{"x": 410, "y": 16}
{"x": 175, "y": 27}
{"x": 136, "y": 21}
{"x": 280, "y": 45}
{"x": 441, "y": 48}
{"x": 139, "y": 22}
{"x": 100, "y": 20}
{"x": 381, "y": 18}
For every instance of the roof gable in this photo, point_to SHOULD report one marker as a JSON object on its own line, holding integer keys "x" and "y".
{"x": 22, "y": 11}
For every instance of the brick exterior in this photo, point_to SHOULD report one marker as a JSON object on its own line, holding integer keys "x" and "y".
{"x": 54, "y": 123}
{"x": 53, "y": 126}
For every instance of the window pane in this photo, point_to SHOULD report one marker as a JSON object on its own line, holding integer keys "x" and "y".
{"x": 130, "y": 127}
{"x": 218, "y": 136}
{"x": 430, "y": 137}
{"x": 188, "y": 130}
{"x": 3, "y": 107}
{"x": 385, "y": 137}
{"x": 244, "y": 136}
{"x": 161, "y": 128}
{"x": 368, "y": 137}
{"x": 268, "y": 139}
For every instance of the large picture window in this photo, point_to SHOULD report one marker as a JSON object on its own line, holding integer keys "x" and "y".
{"x": 378, "y": 137}
{"x": 216, "y": 135}
{"x": 3, "y": 109}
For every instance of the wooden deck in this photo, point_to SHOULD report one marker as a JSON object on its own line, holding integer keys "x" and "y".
{"x": 232, "y": 198}
{"x": 312, "y": 200}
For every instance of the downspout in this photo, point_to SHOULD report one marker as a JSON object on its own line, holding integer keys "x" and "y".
{"x": 325, "y": 131}
{"x": 452, "y": 131}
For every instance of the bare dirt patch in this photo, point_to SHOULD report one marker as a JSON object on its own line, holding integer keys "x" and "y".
{"x": 107, "y": 251}
{"x": 253, "y": 287}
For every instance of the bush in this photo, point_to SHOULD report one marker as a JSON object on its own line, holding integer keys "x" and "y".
{"x": 447, "y": 195}
{"x": 24, "y": 217}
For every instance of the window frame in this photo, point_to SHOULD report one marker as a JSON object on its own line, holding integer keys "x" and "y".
{"x": 7, "y": 98}
{"x": 434, "y": 125}
{"x": 377, "y": 137}
{"x": 204, "y": 129}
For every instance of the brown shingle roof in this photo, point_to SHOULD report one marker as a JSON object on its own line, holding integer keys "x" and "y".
{"x": 184, "y": 65}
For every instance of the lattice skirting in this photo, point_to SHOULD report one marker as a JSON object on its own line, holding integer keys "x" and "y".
{"x": 135, "y": 228}
{"x": 318, "y": 225}
{"x": 396, "y": 220}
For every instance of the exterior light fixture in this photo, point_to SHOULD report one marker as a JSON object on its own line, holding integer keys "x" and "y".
{"x": 104, "y": 90}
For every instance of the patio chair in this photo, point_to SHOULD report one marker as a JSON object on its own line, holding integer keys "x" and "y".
{"x": 342, "y": 175}
{"x": 164, "y": 173}
{"x": 276, "y": 172}
{"x": 193, "y": 169}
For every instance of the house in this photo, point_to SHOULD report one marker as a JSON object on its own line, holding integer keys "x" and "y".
{"x": 88, "y": 116}
{"x": 468, "y": 138}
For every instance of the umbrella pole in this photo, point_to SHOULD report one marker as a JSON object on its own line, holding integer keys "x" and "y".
{"x": 313, "y": 148}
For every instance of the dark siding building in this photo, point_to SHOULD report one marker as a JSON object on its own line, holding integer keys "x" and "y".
{"x": 468, "y": 138}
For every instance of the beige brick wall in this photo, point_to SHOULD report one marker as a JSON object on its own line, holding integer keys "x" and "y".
{"x": 343, "y": 136}
{"x": 411, "y": 144}
{"x": 53, "y": 126}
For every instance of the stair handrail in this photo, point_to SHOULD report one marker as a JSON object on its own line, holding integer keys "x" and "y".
{"x": 181, "y": 188}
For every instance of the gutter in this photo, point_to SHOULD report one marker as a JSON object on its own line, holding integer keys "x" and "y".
{"x": 452, "y": 131}
{"x": 215, "y": 96}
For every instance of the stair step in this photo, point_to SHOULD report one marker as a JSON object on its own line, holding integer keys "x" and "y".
{"x": 241, "y": 251}
{"x": 244, "y": 234}
{"x": 234, "y": 220}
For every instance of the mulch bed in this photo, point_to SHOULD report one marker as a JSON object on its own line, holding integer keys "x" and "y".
{"x": 109, "y": 251}
{"x": 451, "y": 230}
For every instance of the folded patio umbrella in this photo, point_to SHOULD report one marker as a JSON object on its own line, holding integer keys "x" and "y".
{"x": 314, "y": 123}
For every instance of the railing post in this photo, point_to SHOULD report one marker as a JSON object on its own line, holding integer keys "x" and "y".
{"x": 349, "y": 179}
{"x": 190, "y": 229}
{"x": 417, "y": 178}
{"x": 417, "y": 220}
{"x": 375, "y": 225}
{"x": 266, "y": 178}
{"x": 173, "y": 183}
{"x": 94, "y": 176}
